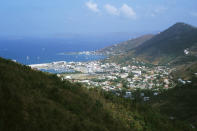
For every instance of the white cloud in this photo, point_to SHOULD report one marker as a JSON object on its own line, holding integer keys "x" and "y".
{"x": 128, "y": 11}
{"x": 125, "y": 10}
{"x": 111, "y": 9}
{"x": 92, "y": 6}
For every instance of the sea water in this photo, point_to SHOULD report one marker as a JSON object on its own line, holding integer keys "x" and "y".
{"x": 36, "y": 51}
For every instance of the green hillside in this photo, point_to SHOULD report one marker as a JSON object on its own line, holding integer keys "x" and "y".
{"x": 186, "y": 72}
{"x": 169, "y": 45}
{"x": 35, "y": 101}
{"x": 127, "y": 45}
{"x": 179, "y": 103}
{"x": 166, "y": 47}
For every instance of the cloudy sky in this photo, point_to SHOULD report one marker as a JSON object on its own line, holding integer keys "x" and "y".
{"x": 48, "y": 17}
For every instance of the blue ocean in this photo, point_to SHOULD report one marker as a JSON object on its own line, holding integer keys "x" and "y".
{"x": 43, "y": 50}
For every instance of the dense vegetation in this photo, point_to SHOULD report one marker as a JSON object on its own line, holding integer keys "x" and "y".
{"x": 32, "y": 100}
{"x": 179, "y": 103}
{"x": 186, "y": 72}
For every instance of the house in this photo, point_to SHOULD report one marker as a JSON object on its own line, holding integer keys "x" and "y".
{"x": 125, "y": 75}
{"x": 128, "y": 94}
{"x": 58, "y": 75}
{"x": 181, "y": 81}
{"x": 138, "y": 72}
{"x": 186, "y": 51}
{"x": 166, "y": 81}
{"x": 155, "y": 93}
{"x": 189, "y": 82}
{"x": 150, "y": 85}
{"x": 131, "y": 85}
{"x": 141, "y": 94}
{"x": 111, "y": 77}
{"x": 67, "y": 77}
{"x": 129, "y": 79}
{"x": 111, "y": 88}
{"x": 146, "y": 98}
{"x": 166, "y": 86}
{"x": 125, "y": 68}
{"x": 14, "y": 61}
{"x": 118, "y": 94}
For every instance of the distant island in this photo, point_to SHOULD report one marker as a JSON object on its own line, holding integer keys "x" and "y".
{"x": 81, "y": 53}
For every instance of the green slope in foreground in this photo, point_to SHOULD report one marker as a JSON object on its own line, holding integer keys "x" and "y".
{"x": 35, "y": 101}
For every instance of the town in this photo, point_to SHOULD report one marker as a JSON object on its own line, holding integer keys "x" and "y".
{"x": 112, "y": 76}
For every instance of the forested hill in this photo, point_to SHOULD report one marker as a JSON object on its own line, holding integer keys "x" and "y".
{"x": 169, "y": 44}
{"x": 35, "y": 101}
{"x": 175, "y": 46}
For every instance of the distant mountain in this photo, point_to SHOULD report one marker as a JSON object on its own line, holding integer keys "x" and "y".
{"x": 176, "y": 42}
{"x": 176, "y": 45}
{"x": 127, "y": 45}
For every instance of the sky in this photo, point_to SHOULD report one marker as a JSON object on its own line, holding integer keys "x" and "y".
{"x": 58, "y": 17}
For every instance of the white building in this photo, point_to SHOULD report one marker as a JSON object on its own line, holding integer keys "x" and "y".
{"x": 141, "y": 94}
{"x": 128, "y": 94}
{"x": 181, "y": 81}
{"x": 67, "y": 77}
{"x": 146, "y": 98}
{"x": 138, "y": 72}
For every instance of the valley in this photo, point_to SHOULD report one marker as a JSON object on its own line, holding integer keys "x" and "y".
{"x": 139, "y": 86}
{"x": 97, "y": 65}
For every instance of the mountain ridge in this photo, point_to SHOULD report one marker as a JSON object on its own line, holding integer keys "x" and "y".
{"x": 127, "y": 45}
{"x": 168, "y": 44}
{"x": 166, "y": 47}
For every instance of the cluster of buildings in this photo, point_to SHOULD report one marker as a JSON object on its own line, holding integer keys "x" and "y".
{"x": 111, "y": 76}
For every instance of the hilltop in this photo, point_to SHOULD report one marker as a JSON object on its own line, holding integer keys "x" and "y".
{"x": 169, "y": 45}
{"x": 175, "y": 45}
